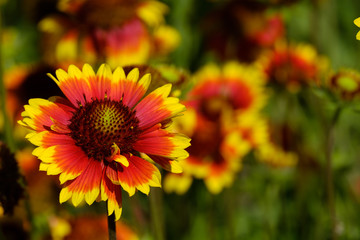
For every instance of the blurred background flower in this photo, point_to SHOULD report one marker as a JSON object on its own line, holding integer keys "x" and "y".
{"x": 293, "y": 67}
{"x": 116, "y": 32}
{"x": 225, "y": 123}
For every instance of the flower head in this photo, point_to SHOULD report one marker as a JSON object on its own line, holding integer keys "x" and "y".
{"x": 346, "y": 83}
{"x": 118, "y": 32}
{"x": 294, "y": 66}
{"x": 234, "y": 86}
{"x": 98, "y": 137}
{"x": 221, "y": 115}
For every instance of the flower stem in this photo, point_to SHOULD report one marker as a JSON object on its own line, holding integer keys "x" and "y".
{"x": 111, "y": 225}
{"x": 329, "y": 173}
{"x": 229, "y": 203}
{"x": 157, "y": 217}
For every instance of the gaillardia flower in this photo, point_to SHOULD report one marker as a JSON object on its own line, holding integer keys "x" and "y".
{"x": 234, "y": 86}
{"x": 98, "y": 137}
{"x": 220, "y": 98}
{"x": 294, "y": 66}
{"x": 120, "y": 32}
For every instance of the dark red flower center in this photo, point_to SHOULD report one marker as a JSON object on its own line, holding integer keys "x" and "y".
{"x": 100, "y": 124}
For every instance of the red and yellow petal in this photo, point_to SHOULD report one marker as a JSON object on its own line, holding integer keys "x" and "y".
{"x": 111, "y": 193}
{"x": 63, "y": 103}
{"x": 41, "y": 114}
{"x": 47, "y": 139}
{"x": 140, "y": 175}
{"x": 134, "y": 90}
{"x": 153, "y": 100}
{"x": 101, "y": 87}
{"x": 73, "y": 84}
{"x": 67, "y": 160}
{"x": 99, "y": 83}
{"x": 117, "y": 88}
{"x": 157, "y": 107}
{"x": 168, "y": 164}
{"x": 82, "y": 86}
{"x": 128, "y": 88}
{"x": 162, "y": 143}
{"x": 86, "y": 185}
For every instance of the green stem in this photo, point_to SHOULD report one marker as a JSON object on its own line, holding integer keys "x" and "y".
{"x": 230, "y": 206}
{"x": 329, "y": 173}
{"x": 111, "y": 225}
{"x": 7, "y": 124}
{"x": 157, "y": 217}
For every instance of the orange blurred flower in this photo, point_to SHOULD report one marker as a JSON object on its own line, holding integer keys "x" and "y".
{"x": 117, "y": 32}
{"x": 222, "y": 122}
{"x": 294, "y": 66}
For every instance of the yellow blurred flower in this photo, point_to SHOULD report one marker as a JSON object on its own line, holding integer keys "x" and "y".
{"x": 166, "y": 39}
{"x": 178, "y": 183}
{"x": 275, "y": 156}
{"x": 152, "y": 12}
{"x": 59, "y": 228}
{"x": 357, "y": 23}
{"x": 68, "y": 48}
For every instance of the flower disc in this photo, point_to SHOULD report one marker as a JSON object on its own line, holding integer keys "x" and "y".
{"x": 100, "y": 124}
